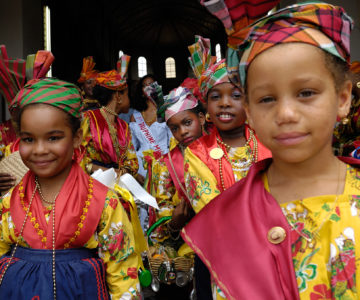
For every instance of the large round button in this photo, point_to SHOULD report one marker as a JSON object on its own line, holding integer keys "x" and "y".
{"x": 276, "y": 235}
{"x": 216, "y": 153}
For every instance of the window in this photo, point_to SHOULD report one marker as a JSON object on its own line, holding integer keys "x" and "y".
{"x": 142, "y": 67}
{"x": 170, "y": 68}
{"x": 47, "y": 33}
{"x": 218, "y": 52}
{"x": 121, "y": 53}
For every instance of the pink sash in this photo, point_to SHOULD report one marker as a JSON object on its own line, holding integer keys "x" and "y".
{"x": 146, "y": 132}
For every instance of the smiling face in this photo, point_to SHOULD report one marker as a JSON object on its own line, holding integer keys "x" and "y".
{"x": 186, "y": 126}
{"x": 225, "y": 107}
{"x": 47, "y": 141}
{"x": 292, "y": 101}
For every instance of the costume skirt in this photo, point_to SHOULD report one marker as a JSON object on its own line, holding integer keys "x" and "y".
{"x": 80, "y": 274}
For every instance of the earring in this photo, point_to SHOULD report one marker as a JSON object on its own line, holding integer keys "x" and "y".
{"x": 207, "y": 117}
{"x": 345, "y": 121}
{"x": 83, "y": 92}
{"x": 358, "y": 84}
{"x": 119, "y": 102}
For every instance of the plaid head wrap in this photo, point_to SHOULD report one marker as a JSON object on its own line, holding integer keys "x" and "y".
{"x": 178, "y": 100}
{"x": 115, "y": 79}
{"x": 88, "y": 71}
{"x": 320, "y": 24}
{"x": 208, "y": 72}
{"x": 14, "y": 71}
{"x": 52, "y": 91}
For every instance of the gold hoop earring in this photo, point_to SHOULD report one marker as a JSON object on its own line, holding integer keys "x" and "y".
{"x": 207, "y": 117}
{"x": 345, "y": 121}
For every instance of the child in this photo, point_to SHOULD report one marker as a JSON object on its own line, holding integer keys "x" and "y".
{"x": 294, "y": 219}
{"x": 186, "y": 120}
{"x": 107, "y": 138}
{"x": 215, "y": 162}
{"x": 61, "y": 230}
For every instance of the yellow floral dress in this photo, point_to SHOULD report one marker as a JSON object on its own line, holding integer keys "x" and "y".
{"x": 327, "y": 267}
{"x": 200, "y": 182}
{"x": 114, "y": 240}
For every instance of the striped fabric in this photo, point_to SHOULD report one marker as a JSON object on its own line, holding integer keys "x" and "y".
{"x": 55, "y": 92}
{"x": 178, "y": 100}
{"x": 320, "y": 24}
{"x": 208, "y": 72}
{"x": 115, "y": 79}
{"x": 87, "y": 71}
{"x": 38, "y": 65}
{"x": 12, "y": 75}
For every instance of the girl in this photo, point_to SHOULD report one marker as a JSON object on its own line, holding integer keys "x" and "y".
{"x": 107, "y": 138}
{"x": 185, "y": 117}
{"x": 147, "y": 131}
{"x": 61, "y": 231}
{"x": 295, "y": 219}
{"x": 214, "y": 162}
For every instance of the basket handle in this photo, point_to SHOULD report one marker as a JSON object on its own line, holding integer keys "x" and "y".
{"x": 156, "y": 225}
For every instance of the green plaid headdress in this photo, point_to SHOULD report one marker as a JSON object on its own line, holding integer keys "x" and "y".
{"x": 52, "y": 91}
{"x": 203, "y": 64}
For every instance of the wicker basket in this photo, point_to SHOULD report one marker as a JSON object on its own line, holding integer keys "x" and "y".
{"x": 13, "y": 165}
{"x": 181, "y": 263}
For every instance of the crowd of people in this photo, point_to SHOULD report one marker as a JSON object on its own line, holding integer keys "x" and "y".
{"x": 253, "y": 162}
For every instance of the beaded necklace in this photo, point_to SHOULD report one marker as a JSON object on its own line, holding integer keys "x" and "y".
{"x": 254, "y": 154}
{"x": 28, "y": 213}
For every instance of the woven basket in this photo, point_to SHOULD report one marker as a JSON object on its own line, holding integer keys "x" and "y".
{"x": 181, "y": 263}
{"x": 13, "y": 165}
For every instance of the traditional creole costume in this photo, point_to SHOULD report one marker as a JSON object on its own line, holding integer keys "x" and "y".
{"x": 80, "y": 247}
{"x": 108, "y": 145}
{"x": 314, "y": 253}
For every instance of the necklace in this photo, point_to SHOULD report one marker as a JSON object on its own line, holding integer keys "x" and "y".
{"x": 110, "y": 111}
{"x": 254, "y": 154}
{"x": 41, "y": 194}
{"x": 113, "y": 133}
{"x": 37, "y": 187}
{"x": 311, "y": 239}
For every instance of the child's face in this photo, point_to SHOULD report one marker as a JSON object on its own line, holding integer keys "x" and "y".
{"x": 292, "y": 101}
{"x": 225, "y": 106}
{"x": 186, "y": 126}
{"x": 47, "y": 141}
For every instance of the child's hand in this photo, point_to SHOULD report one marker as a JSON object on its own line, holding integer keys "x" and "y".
{"x": 7, "y": 181}
{"x": 180, "y": 216}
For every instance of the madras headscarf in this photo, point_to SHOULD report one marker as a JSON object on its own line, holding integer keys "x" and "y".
{"x": 178, "y": 100}
{"x": 115, "y": 79}
{"x": 14, "y": 71}
{"x": 52, "y": 91}
{"x": 208, "y": 72}
{"x": 320, "y": 24}
{"x": 88, "y": 71}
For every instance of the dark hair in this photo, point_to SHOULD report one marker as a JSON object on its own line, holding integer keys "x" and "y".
{"x": 338, "y": 68}
{"x": 74, "y": 123}
{"x": 138, "y": 102}
{"x": 199, "y": 109}
{"x": 102, "y": 94}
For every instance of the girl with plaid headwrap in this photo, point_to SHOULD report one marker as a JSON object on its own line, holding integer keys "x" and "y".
{"x": 295, "y": 218}
{"x": 107, "y": 138}
{"x": 62, "y": 234}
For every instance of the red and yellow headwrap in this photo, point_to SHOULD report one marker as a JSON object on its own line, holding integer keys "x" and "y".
{"x": 52, "y": 91}
{"x": 320, "y": 24}
{"x": 115, "y": 79}
{"x": 208, "y": 72}
{"x": 88, "y": 71}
